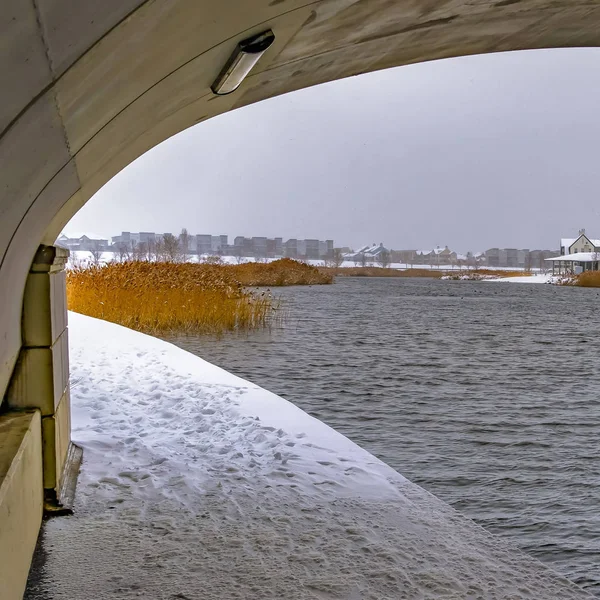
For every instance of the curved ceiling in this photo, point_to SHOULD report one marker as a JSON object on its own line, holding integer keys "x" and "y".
{"x": 90, "y": 86}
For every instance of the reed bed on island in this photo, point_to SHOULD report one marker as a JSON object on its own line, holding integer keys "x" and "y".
{"x": 284, "y": 271}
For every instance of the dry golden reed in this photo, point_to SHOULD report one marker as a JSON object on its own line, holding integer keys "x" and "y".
{"x": 167, "y": 297}
{"x": 587, "y": 279}
{"x": 284, "y": 271}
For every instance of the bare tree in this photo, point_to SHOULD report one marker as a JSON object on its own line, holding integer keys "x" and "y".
{"x": 384, "y": 259}
{"x": 184, "y": 244}
{"x": 159, "y": 250}
{"x": 362, "y": 259}
{"x": 123, "y": 251}
{"x": 595, "y": 258}
{"x": 213, "y": 260}
{"x": 238, "y": 254}
{"x": 151, "y": 250}
{"x": 336, "y": 260}
{"x": 172, "y": 250}
{"x": 96, "y": 252}
{"x": 471, "y": 260}
{"x": 139, "y": 251}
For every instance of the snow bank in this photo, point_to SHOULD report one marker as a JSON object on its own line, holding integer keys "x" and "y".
{"x": 535, "y": 278}
{"x": 198, "y": 484}
{"x": 144, "y": 409}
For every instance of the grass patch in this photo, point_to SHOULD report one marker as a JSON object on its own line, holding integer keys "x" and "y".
{"x": 500, "y": 273}
{"x": 586, "y": 279}
{"x": 284, "y": 271}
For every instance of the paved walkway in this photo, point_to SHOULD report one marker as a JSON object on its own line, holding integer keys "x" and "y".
{"x": 198, "y": 485}
{"x": 248, "y": 545}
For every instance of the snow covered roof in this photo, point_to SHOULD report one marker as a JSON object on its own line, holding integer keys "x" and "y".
{"x": 76, "y": 235}
{"x": 577, "y": 257}
{"x": 568, "y": 242}
{"x": 436, "y": 251}
{"x": 368, "y": 250}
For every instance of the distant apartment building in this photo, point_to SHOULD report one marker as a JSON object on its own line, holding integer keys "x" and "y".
{"x": 517, "y": 258}
{"x": 308, "y": 249}
{"x": 258, "y": 247}
{"x": 404, "y": 257}
{"x": 129, "y": 242}
{"x": 259, "y": 244}
{"x": 130, "y": 239}
{"x": 213, "y": 245}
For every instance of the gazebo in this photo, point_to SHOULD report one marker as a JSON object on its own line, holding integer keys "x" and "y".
{"x": 575, "y": 263}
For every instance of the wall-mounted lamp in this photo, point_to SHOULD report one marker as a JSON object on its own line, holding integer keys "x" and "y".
{"x": 244, "y": 57}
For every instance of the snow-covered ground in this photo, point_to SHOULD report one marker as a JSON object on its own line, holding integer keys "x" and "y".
{"x": 143, "y": 409}
{"x": 197, "y": 484}
{"x": 534, "y": 278}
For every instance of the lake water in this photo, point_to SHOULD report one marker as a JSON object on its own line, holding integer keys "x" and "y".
{"x": 486, "y": 394}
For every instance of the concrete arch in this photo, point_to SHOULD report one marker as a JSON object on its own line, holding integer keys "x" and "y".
{"x": 90, "y": 86}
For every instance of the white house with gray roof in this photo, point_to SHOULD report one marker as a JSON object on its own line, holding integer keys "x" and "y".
{"x": 582, "y": 243}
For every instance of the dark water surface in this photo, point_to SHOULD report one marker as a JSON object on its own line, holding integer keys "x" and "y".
{"x": 486, "y": 394}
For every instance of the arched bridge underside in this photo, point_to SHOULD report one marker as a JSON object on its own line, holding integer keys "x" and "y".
{"x": 89, "y": 86}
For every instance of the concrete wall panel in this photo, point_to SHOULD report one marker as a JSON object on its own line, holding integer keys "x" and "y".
{"x": 24, "y": 69}
{"x": 17, "y": 261}
{"x": 44, "y": 321}
{"x": 32, "y": 383}
{"x": 56, "y": 437}
{"x": 182, "y": 98}
{"x": 71, "y": 28}
{"x": 160, "y": 38}
{"x": 60, "y": 366}
{"x": 31, "y": 154}
{"x": 41, "y": 377}
{"x": 21, "y": 499}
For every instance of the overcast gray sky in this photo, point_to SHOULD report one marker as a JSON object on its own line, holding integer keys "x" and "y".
{"x": 476, "y": 152}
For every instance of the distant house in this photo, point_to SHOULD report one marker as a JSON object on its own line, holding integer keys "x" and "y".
{"x": 87, "y": 242}
{"x": 375, "y": 253}
{"x": 582, "y": 243}
{"x": 405, "y": 257}
{"x": 437, "y": 256}
{"x": 575, "y": 263}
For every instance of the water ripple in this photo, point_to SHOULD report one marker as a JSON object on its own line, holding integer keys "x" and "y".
{"x": 485, "y": 394}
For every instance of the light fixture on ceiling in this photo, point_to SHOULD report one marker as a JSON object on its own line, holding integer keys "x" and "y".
{"x": 244, "y": 57}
